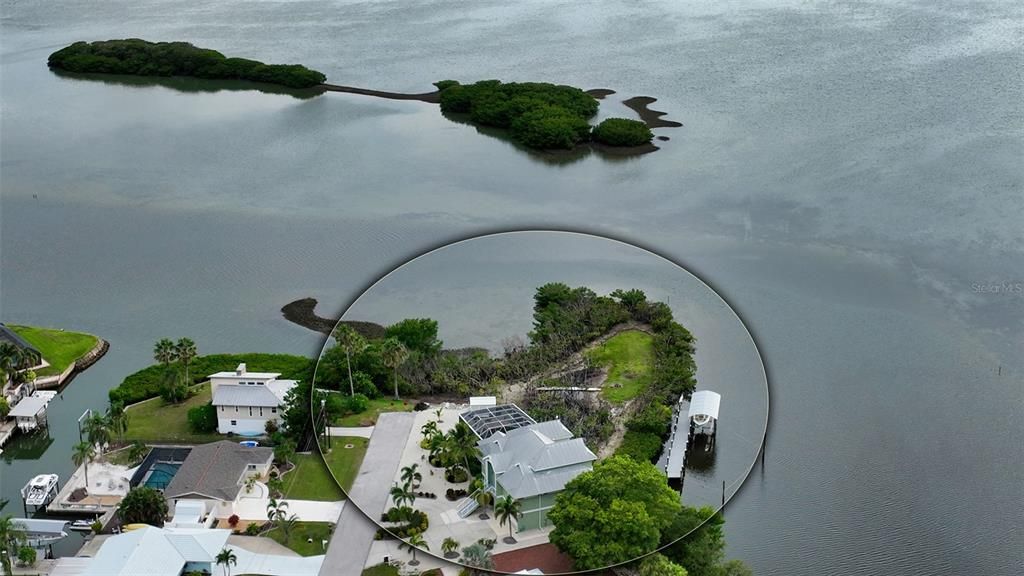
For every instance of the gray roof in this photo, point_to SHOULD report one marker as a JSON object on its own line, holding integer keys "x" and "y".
{"x": 536, "y": 459}
{"x": 213, "y": 470}
{"x": 245, "y": 395}
{"x": 490, "y": 419}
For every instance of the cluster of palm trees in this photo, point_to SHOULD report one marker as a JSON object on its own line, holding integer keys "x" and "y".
{"x": 277, "y": 514}
{"x": 12, "y": 539}
{"x": 13, "y": 363}
{"x": 167, "y": 352}
{"x": 392, "y": 353}
{"x": 226, "y": 559}
{"x": 453, "y": 450}
{"x": 100, "y": 430}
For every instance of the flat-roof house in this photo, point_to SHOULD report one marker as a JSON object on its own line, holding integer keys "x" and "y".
{"x": 532, "y": 463}
{"x": 215, "y": 474}
{"x": 246, "y": 401}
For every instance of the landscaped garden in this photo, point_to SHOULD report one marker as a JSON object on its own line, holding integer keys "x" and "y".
{"x": 58, "y": 347}
{"x": 628, "y": 357}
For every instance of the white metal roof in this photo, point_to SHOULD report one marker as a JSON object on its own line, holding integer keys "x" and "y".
{"x": 245, "y": 395}
{"x": 133, "y": 553}
{"x": 483, "y": 401}
{"x": 246, "y": 375}
{"x": 705, "y": 402}
{"x": 29, "y": 406}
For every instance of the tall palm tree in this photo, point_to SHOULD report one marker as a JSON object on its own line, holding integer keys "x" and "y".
{"x": 276, "y": 509}
{"x": 352, "y": 343}
{"x": 287, "y": 525}
{"x": 117, "y": 418}
{"x": 413, "y": 543}
{"x": 429, "y": 429}
{"x": 226, "y": 559}
{"x": 411, "y": 475}
{"x": 185, "y": 350}
{"x": 11, "y": 538}
{"x": 83, "y": 453}
{"x": 163, "y": 351}
{"x": 394, "y": 354}
{"x": 508, "y": 509}
{"x": 97, "y": 430}
{"x": 399, "y": 494}
{"x": 464, "y": 443}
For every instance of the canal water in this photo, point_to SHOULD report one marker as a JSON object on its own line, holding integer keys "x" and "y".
{"x": 848, "y": 177}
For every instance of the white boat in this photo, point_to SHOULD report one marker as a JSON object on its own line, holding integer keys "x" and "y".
{"x": 82, "y": 525}
{"x": 40, "y": 490}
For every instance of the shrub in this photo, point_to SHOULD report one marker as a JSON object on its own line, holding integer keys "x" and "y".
{"x": 233, "y": 520}
{"x": 252, "y": 529}
{"x": 443, "y": 85}
{"x": 141, "y": 58}
{"x": 96, "y": 527}
{"x": 203, "y": 419}
{"x": 549, "y": 128}
{"x": 655, "y": 419}
{"x": 27, "y": 555}
{"x": 622, "y": 132}
{"x": 356, "y": 404}
{"x": 143, "y": 505}
{"x": 456, "y": 475}
{"x": 640, "y": 446}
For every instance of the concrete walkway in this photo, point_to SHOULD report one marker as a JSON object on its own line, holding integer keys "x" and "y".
{"x": 350, "y": 544}
{"x": 306, "y": 510}
{"x": 360, "y": 431}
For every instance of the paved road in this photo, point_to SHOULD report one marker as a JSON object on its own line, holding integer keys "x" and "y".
{"x": 350, "y": 544}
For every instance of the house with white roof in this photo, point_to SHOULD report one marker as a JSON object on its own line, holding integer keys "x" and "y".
{"x": 246, "y": 401}
{"x": 530, "y": 461}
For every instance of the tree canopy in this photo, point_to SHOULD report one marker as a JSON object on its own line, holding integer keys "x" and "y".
{"x": 143, "y": 505}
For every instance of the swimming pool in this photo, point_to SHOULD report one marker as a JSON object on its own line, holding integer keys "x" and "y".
{"x": 161, "y": 474}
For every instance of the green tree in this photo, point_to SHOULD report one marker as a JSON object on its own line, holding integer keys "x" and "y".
{"x": 411, "y": 475}
{"x": 202, "y": 419}
{"x": 163, "y": 351}
{"x": 394, "y": 353}
{"x": 416, "y": 334}
{"x": 508, "y": 510}
{"x": 226, "y": 559}
{"x": 82, "y": 454}
{"x": 622, "y": 503}
{"x": 413, "y": 543}
{"x": 97, "y": 430}
{"x": 5, "y": 407}
{"x": 700, "y": 548}
{"x": 622, "y": 132}
{"x": 284, "y": 451}
{"x": 143, "y": 505}
{"x": 27, "y": 555}
{"x": 351, "y": 342}
{"x": 449, "y": 546}
{"x": 287, "y": 524}
{"x": 401, "y": 495}
{"x": 658, "y": 565}
{"x": 185, "y": 351}
{"x": 276, "y": 510}
{"x": 117, "y": 420}
{"x": 11, "y": 538}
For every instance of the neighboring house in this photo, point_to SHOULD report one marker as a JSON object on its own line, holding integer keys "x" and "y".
{"x": 215, "y": 474}
{"x": 151, "y": 551}
{"x": 530, "y": 461}
{"x": 246, "y": 401}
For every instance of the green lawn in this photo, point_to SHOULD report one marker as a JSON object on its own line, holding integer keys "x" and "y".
{"x": 381, "y": 570}
{"x": 59, "y": 347}
{"x": 628, "y": 356}
{"x": 154, "y": 421}
{"x": 303, "y": 531}
{"x": 310, "y": 479}
{"x": 378, "y": 405}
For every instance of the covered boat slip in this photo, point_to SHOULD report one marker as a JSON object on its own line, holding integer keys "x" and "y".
{"x": 699, "y": 415}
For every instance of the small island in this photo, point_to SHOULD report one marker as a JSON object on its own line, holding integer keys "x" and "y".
{"x": 137, "y": 57}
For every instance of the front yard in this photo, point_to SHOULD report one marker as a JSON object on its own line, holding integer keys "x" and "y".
{"x": 301, "y": 534}
{"x": 310, "y": 479}
{"x": 59, "y": 347}
{"x": 154, "y": 421}
{"x": 377, "y": 405}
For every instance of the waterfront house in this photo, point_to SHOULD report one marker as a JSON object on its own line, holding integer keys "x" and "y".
{"x": 215, "y": 474}
{"x": 530, "y": 461}
{"x": 246, "y": 401}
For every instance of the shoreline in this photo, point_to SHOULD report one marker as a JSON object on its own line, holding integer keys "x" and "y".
{"x": 303, "y": 313}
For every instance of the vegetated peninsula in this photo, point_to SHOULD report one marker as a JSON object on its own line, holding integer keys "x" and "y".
{"x": 539, "y": 116}
{"x": 138, "y": 57}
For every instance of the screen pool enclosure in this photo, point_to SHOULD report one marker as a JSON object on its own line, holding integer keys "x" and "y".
{"x": 159, "y": 467}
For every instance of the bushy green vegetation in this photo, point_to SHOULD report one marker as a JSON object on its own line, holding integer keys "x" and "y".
{"x": 538, "y": 115}
{"x": 58, "y": 347}
{"x": 141, "y": 58}
{"x": 149, "y": 382}
{"x": 622, "y": 132}
{"x": 202, "y": 419}
{"x": 645, "y": 433}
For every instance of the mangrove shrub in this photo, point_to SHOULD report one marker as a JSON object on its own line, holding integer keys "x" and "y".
{"x": 622, "y": 132}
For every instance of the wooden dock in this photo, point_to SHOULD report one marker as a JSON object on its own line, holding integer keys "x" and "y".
{"x": 673, "y": 453}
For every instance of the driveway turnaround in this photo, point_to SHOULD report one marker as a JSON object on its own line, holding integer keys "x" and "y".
{"x": 353, "y": 536}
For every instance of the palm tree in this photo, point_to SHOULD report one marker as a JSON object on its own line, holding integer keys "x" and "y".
{"x": 429, "y": 430}
{"x": 508, "y": 509}
{"x": 83, "y": 453}
{"x": 483, "y": 500}
{"x": 185, "y": 350}
{"x": 463, "y": 443}
{"x": 287, "y": 524}
{"x": 97, "y": 430}
{"x": 117, "y": 418}
{"x": 411, "y": 476}
{"x": 11, "y": 538}
{"x": 394, "y": 354}
{"x": 449, "y": 546}
{"x": 413, "y": 543}
{"x": 163, "y": 351}
{"x": 276, "y": 509}
{"x": 226, "y": 559}
{"x": 399, "y": 494}
{"x": 477, "y": 556}
{"x": 352, "y": 343}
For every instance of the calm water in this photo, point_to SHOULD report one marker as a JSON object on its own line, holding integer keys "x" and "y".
{"x": 848, "y": 177}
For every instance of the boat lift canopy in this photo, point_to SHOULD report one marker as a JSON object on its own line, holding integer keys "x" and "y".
{"x": 704, "y": 405}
